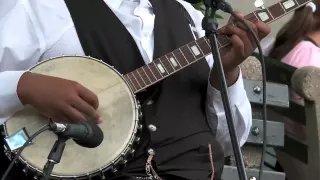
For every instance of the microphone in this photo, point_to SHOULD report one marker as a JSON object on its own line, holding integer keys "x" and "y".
{"x": 86, "y": 134}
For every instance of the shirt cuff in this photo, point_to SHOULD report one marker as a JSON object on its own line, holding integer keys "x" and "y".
{"x": 236, "y": 94}
{"x": 10, "y": 102}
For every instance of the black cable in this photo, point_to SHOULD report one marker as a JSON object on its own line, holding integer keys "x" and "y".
{"x": 47, "y": 170}
{"x": 264, "y": 94}
{"x": 44, "y": 128}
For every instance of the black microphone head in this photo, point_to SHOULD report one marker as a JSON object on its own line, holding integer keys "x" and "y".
{"x": 94, "y": 139}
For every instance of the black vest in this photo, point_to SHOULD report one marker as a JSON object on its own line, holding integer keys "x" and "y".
{"x": 182, "y": 136}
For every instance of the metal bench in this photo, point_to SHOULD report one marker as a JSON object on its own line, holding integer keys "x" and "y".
{"x": 301, "y": 118}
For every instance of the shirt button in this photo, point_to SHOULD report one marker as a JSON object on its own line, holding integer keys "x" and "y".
{"x": 152, "y": 127}
{"x": 146, "y": 34}
{"x": 151, "y": 152}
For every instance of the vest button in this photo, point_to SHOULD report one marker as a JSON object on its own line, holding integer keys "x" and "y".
{"x": 151, "y": 152}
{"x": 152, "y": 127}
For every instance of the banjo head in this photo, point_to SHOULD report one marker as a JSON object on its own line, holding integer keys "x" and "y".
{"x": 117, "y": 107}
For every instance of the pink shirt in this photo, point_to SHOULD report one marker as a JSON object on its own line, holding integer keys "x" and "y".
{"x": 303, "y": 54}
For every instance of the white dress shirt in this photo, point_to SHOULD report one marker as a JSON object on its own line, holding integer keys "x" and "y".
{"x": 36, "y": 30}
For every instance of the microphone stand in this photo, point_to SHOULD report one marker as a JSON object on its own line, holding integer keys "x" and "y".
{"x": 54, "y": 156}
{"x": 210, "y": 25}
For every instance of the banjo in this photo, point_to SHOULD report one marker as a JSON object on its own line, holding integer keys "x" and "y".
{"x": 121, "y": 131}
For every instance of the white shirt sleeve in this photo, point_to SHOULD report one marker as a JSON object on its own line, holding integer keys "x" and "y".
{"x": 21, "y": 46}
{"x": 239, "y": 101}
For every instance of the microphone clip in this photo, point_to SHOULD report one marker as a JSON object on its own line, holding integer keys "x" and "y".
{"x": 57, "y": 127}
{"x": 209, "y": 22}
{"x": 57, "y": 149}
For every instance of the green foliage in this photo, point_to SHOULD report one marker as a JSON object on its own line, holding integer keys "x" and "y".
{"x": 200, "y": 6}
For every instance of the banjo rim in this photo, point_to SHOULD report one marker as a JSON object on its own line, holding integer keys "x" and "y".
{"x": 120, "y": 157}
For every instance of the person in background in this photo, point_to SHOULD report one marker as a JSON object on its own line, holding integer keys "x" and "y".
{"x": 297, "y": 43}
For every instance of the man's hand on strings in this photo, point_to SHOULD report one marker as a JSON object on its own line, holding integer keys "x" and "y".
{"x": 242, "y": 46}
{"x": 242, "y": 41}
{"x": 59, "y": 99}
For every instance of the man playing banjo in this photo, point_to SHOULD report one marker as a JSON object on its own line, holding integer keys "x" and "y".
{"x": 184, "y": 134}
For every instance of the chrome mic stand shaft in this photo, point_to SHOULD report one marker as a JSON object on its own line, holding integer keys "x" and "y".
{"x": 210, "y": 25}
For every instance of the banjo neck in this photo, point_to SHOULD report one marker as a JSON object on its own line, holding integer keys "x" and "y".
{"x": 192, "y": 52}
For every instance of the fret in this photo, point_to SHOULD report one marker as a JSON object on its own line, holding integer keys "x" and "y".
{"x": 223, "y": 39}
{"x": 180, "y": 57}
{"x": 191, "y": 52}
{"x": 165, "y": 62}
{"x": 134, "y": 81}
{"x": 149, "y": 73}
{"x": 144, "y": 76}
{"x": 251, "y": 17}
{"x": 296, "y": 2}
{"x": 218, "y": 42}
{"x": 127, "y": 78}
{"x": 301, "y": 2}
{"x": 196, "y": 51}
{"x": 277, "y": 10}
{"x": 183, "y": 55}
{"x": 264, "y": 15}
{"x": 284, "y": 9}
{"x": 187, "y": 53}
{"x": 289, "y": 4}
{"x": 270, "y": 13}
{"x": 140, "y": 78}
{"x": 160, "y": 68}
{"x": 140, "y": 81}
{"x": 172, "y": 59}
{"x": 155, "y": 70}
{"x": 207, "y": 41}
{"x": 163, "y": 68}
{"x": 194, "y": 45}
{"x": 204, "y": 46}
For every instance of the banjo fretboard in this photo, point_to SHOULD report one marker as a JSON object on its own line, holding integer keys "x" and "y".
{"x": 190, "y": 53}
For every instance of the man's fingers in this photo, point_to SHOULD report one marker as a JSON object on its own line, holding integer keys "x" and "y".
{"x": 73, "y": 114}
{"x": 88, "y": 96}
{"x": 60, "y": 118}
{"x": 85, "y": 108}
{"x": 233, "y": 53}
{"x": 237, "y": 45}
{"x": 263, "y": 29}
{"x": 248, "y": 34}
{"x": 260, "y": 28}
{"x": 234, "y": 30}
{"x": 250, "y": 24}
